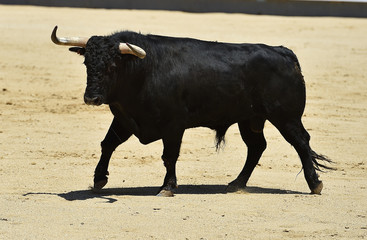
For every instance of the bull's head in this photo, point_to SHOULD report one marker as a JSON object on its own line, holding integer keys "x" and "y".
{"x": 100, "y": 62}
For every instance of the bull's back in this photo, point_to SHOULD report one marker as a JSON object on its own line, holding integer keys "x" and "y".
{"x": 215, "y": 83}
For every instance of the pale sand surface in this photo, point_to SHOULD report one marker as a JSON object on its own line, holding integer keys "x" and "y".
{"x": 49, "y": 139}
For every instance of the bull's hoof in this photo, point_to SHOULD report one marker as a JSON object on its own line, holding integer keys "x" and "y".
{"x": 233, "y": 187}
{"x": 165, "y": 193}
{"x": 99, "y": 185}
{"x": 317, "y": 189}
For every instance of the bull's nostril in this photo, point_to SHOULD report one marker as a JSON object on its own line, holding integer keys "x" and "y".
{"x": 93, "y": 100}
{"x": 96, "y": 100}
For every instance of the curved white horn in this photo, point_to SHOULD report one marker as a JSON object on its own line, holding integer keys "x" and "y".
{"x": 68, "y": 41}
{"x": 126, "y": 48}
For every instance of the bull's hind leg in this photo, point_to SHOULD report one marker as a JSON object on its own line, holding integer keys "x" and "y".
{"x": 294, "y": 132}
{"x": 114, "y": 137}
{"x": 252, "y": 134}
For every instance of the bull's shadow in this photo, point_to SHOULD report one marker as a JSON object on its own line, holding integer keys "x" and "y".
{"x": 108, "y": 193}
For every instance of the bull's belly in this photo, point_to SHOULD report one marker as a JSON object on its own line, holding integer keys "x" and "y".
{"x": 148, "y": 132}
{"x": 219, "y": 117}
{"x": 150, "y": 126}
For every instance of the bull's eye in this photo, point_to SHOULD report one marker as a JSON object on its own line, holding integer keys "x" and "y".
{"x": 111, "y": 68}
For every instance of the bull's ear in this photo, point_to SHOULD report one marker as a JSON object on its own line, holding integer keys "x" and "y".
{"x": 78, "y": 50}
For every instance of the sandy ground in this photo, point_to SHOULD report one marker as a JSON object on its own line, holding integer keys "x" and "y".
{"x": 49, "y": 139}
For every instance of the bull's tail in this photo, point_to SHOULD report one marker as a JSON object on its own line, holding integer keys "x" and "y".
{"x": 321, "y": 166}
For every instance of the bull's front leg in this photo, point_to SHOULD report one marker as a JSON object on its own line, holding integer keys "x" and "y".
{"x": 171, "y": 151}
{"x": 114, "y": 137}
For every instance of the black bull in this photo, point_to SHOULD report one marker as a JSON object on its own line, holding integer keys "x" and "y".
{"x": 166, "y": 85}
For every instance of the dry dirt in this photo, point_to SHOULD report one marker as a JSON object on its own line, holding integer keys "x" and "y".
{"x": 49, "y": 139}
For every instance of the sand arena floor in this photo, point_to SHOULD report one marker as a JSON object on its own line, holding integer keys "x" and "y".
{"x": 49, "y": 139}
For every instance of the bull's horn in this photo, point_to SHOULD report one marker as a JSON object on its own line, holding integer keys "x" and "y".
{"x": 126, "y": 48}
{"x": 68, "y": 41}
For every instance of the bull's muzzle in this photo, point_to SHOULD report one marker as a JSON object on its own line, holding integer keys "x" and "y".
{"x": 96, "y": 101}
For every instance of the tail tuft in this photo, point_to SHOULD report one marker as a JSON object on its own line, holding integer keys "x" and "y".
{"x": 220, "y": 137}
{"x": 318, "y": 166}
